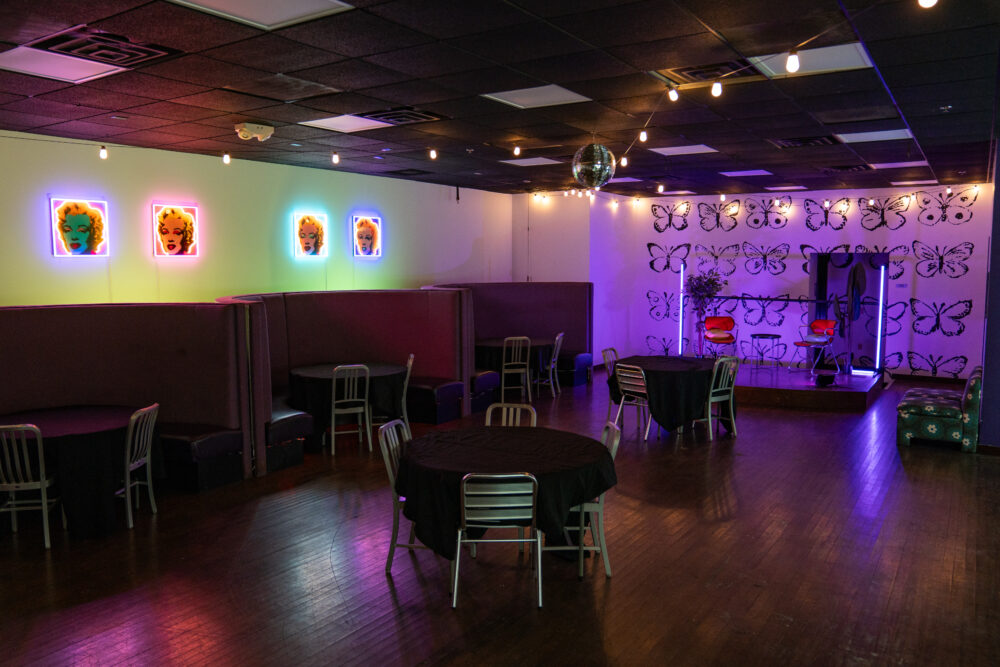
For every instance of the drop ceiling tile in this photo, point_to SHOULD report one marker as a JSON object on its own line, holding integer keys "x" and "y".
{"x": 93, "y": 97}
{"x": 685, "y": 51}
{"x": 345, "y": 103}
{"x": 488, "y": 80}
{"x": 428, "y": 60}
{"x": 52, "y": 109}
{"x": 648, "y": 21}
{"x": 204, "y": 71}
{"x": 171, "y": 111}
{"x": 510, "y": 45}
{"x": 156, "y": 137}
{"x": 195, "y": 130}
{"x": 144, "y": 85}
{"x": 274, "y": 54}
{"x": 616, "y": 87}
{"x": 49, "y": 17}
{"x": 224, "y": 100}
{"x": 354, "y": 34}
{"x": 7, "y": 98}
{"x": 408, "y": 93}
{"x": 128, "y": 119}
{"x": 351, "y": 75}
{"x": 579, "y": 66}
{"x": 451, "y": 18}
{"x": 284, "y": 113}
{"x": 82, "y": 128}
{"x": 22, "y": 84}
{"x": 174, "y": 26}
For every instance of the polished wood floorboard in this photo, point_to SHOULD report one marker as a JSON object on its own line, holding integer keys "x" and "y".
{"x": 809, "y": 539}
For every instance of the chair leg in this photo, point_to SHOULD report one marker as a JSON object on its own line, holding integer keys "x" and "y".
{"x": 732, "y": 417}
{"x": 555, "y": 374}
{"x": 13, "y": 513}
{"x": 395, "y": 533}
{"x": 128, "y": 498}
{"x": 579, "y": 540}
{"x": 454, "y": 570}
{"x": 333, "y": 435}
{"x": 618, "y": 416}
{"x": 538, "y": 564}
{"x": 45, "y": 517}
{"x": 552, "y": 383}
{"x": 527, "y": 383}
{"x": 149, "y": 485}
{"x": 649, "y": 420}
{"x": 708, "y": 420}
{"x": 520, "y": 536}
{"x": 598, "y": 518}
{"x": 368, "y": 424}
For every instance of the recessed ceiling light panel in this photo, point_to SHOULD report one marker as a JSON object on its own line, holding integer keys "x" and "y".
{"x": 268, "y": 14}
{"x": 785, "y": 188}
{"x": 746, "y": 172}
{"x": 881, "y": 135}
{"x": 625, "y": 179}
{"x": 346, "y": 123}
{"x": 530, "y": 161}
{"x": 899, "y": 165}
{"x": 539, "y": 96}
{"x": 679, "y": 192}
{"x": 54, "y": 65}
{"x": 929, "y": 181}
{"x": 684, "y": 150}
{"x": 815, "y": 61}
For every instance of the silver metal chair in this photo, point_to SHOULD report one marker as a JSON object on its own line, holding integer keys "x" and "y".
{"x": 498, "y": 501}
{"x": 510, "y": 414}
{"x": 352, "y": 399}
{"x": 553, "y": 378}
{"x": 22, "y": 468}
{"x": 406, "y": 386}
{"x": 632, "y": 384}
{"x": 516, "y": 361}
{"x": 610, "y": 438}
{"x": 392, "y": 437}
{"x": 721, "y": 392}
{"x": 138, "y": 440}
{"x": 610, "y": 355}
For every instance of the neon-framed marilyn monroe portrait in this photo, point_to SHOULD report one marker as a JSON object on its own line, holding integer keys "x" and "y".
{"x": 309, "y": 234}
{"x": 175, "y": 230}
{"x": 79, "y": 227}
{"x": 366, "y": 230}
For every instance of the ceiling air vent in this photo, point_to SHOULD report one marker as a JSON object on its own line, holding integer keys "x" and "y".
{"x": 402, "y": 116}
{"x": 801, "y": 142}
{"x": 102, "y": 47}
{"x": 733, "y": 69}
{"x": 407, "y": 172}
{"x": 845, "y": 168}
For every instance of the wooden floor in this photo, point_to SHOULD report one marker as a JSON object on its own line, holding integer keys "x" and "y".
{"x": 808, "y": 540}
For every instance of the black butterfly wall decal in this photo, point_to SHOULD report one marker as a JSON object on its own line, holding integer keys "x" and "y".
{"x": 890, "y": 363}
{"x": 955, "y": 208}
{"x": 756, "y": 349}
{"x": 893, "y": 313}
{"x": 896, "y": 266}
{"x": 764, "y": 309}
{"x": 886, "y": 212}
{"x": 765, "y": 258}
{"x": 722, "y": 260}
{"x": 659, "y": 345}
{"x": 768, "y": 212}
{"x": 948, "y": 262}
{"x": 819, "y": 215}
{"x": 839, "y": 263}
{"x": 943, "y": 317}
{"x": 670, "y": 258}
{"x": 933, "y": 364}
{"x": 662, "y": 305}
{"x": 723, "y": 305}
{"x": 671, "y": 215}
{"x": 720, "y": 215}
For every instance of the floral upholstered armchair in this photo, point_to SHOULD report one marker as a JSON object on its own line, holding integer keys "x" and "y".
{"x": 942, "y": 414}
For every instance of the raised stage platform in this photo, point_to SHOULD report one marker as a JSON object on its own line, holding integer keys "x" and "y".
{"x": 777, "y": 387}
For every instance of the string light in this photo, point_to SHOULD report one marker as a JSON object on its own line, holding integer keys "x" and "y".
{"x": 659, "y": 188}
{"x": 643, "y": 136}
{"x": 792, "y": 62}
{"x": 717, "y": 89}
{"x": 947, "y": 191}
{"x": 614, "y": 203}
{"x": 225, "y": 158}
{"x": 335, "y": 158}
{"x": 433, "y": 154}
{"x": 722, "y": 197}
{"x": 517, "y": 150}
{"x": 826, "y": 203}
{"x": 673, "y": 94}
{"x": 103, "y": 153}
{"x": 537, "y": 197}
{"x": 565, "y": 193}
{"x": 926, "y": 4}
{"x": 871, "y": 202}
{"x": 624, "y": 161}
{"x": 635, "y": 201}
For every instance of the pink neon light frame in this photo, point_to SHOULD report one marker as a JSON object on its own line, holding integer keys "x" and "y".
{"x": 191, "y": 213}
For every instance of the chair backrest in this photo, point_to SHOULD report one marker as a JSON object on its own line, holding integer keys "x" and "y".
{"x": 610, "y": 355}
{"x": 510, "y": 414}
{"x": 516, "y": 351}
{"x": 824, "y": 327}
{"x": 555, "y": 350}
{"x": 406, "y": 380}
{"x": 22, "y": 465}
{"x": 139, "y": 436}
{"x": 610, "y": 437}
{"x": 498, "y": 500}
{"x": 724, "y": 375}
{"x": 391, "y": 438}
{"x": 347, "y": 383}
{"x": 721, "y": 322}
{"x": 631, "y": 380}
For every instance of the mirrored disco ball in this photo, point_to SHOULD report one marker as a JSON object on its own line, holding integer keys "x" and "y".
{"x": 593, "y": 165}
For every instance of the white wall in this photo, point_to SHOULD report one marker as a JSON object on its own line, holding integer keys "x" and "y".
{"x": 245, "y": 226}
{"x": 551, "y": 238}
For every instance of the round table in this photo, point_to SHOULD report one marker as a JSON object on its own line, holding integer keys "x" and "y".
{"x": 570, "y": 469}
{"x": 677, "y": 387}
{"x": 757, "y": 341}
{"x": 310, "y": 389}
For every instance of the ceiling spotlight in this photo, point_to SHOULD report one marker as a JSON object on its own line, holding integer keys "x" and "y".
{"x": 335, "y": 158}
{"x": 517, "y": 150}
{"x": 643, "y": 136}
{"x": 673, "y": 94}
{"x": 792, "y": 62}
{"x": 659, "y": 188}
{"x": 926, "y": 4}
{"x": 433, "y": 154}
{"x": 716, "y": 89}
{"x": 624, "y": 161}
{"x": 226, "y": 159}
{"x": 103, "y": 153}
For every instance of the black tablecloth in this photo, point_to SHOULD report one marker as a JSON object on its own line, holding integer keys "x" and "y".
{"x": 677, "y": 386}
{"x": 489, "y": 354}
{"x": 570, "y": 468}
{"x": 309, "y": 389}
{"x": 87, "y": 446}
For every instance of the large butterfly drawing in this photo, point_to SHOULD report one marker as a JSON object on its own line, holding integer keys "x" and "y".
{"x": 886, "y": 212}
{"x": 764, "y": 258}
{"x": 890, "y": 363}
{"x": 948, "y": 262}
{"x": 756, "y": 348}
{"x": 820, "y": 215}
{"x": 662, "y": 305}
{"x": 764, "y": 309}
{"x": 720, "y": 215}
{"x": 893, "y": 313}
{"x": 896, "y": 266}
{"x": 722, "y": 260}
{"x": 840, "y": 262}
{"x": 768, "y": 212}
{"x": 671, "y": 215}
{"x": 943, "y": 317}
{"x": 666, "y": 258}
{"x": 665, "y": 346}
{"x": 955, "y": 208}
{"x": 933, "y": 364}
{"x": 723, "y": 305}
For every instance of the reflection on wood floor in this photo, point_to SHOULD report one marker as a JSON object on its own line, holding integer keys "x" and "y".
{"x": 810, "y": 539}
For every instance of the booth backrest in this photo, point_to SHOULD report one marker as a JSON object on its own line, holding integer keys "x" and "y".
{"x": 186, "y": 357}
{"x": 534, "y": 309}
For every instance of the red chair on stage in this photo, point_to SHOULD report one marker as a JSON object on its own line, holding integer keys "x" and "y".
{"x": 818, "y": 335}
{"x": 721, "y": 330}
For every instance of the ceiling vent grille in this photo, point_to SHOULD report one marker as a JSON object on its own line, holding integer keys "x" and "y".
{"x": 102, "y": 47}
{"x": 733, "y": 69}
{"x": 402, "y": 116}
{"x": 801, "y": 142}
{"x": 846, "y": 168}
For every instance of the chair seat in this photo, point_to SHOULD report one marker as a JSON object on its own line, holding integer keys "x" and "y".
{"x": 807, "y": 343}
{"x": 718, "y": 336}
{"x": 937, "y": 402}
{"x": 816, "y": 339}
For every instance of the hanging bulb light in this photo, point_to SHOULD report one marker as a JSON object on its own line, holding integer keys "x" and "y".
{"x": 722, "y": 197}
{"x": 614, "y": 203}
{"x": 792, "y": 62}
{"x": 597, "y": 188}
{"x": 579, "y": 193}
{"x": 716, "y": 89}
{"x": 947, "y": 191}
{"x": 433, "y": 154}
{"x": 635, "y": 201}
{"x": 335, "y": 158}
{"x": 673, "y": 94}
{"x": 537, "y": 197}
{"x": 624, "y": 161}
{"x": 826, "y": 203}
{"x": 517, "y": 150}
{"x": 659, "y": 188}
{"x": 103, "y": 153}
{"x": 643, "y": 136}
{"x": 926, "y": 4}
{"x": 871, "y": 202}
{"x": 225, "y": 158}
{"x": 565, "y": 193}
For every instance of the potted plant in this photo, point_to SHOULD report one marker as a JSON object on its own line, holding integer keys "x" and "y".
{"x": 701, "y": 289}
